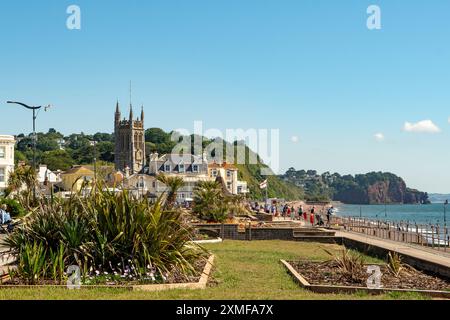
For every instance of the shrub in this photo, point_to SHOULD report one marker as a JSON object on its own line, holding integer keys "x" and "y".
{"x": 105, "y": 233}
{"x": 350, "y": 265}
{"x": 14, "y": 208}
{"x": 212, "y": 205}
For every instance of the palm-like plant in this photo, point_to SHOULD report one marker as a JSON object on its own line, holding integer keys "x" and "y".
{"x": 395, "y": 264}
{"x": 174, "y": 184}
{"x": 107, "y": 232}
{"x": 210, "y": 203}
{"x": 23, "y": 176}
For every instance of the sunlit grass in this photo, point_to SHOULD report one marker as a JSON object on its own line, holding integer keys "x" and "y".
{"x": 244, "y": 270}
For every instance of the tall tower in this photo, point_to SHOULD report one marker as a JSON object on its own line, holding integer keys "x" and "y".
{"x": 129, "y": 142}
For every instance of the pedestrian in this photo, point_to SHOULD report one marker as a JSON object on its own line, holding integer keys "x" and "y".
{"x": 300, "y": 212}
{"x": 292, "y": 213}
{"x": 4, "y": 215}
{"x": 329, "y": 214}
{"x": 311, "y": 216}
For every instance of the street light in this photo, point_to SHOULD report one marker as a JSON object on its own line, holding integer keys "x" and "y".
{"x": 34, "y": 108}
{"x": 445, "y": 212}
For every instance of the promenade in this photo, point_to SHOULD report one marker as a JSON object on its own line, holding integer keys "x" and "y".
{"x": 440, "y": 258}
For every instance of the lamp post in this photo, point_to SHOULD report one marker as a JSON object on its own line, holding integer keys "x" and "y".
{"x": 35, "y": 110}
{"x": 445, "y": 212}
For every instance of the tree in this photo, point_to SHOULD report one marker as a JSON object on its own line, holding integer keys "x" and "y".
{"x": 105, "y": 150}
{"x": 208, "y": 201}
{"x": 174, "y": 184}
{"x": 57, "y": 160}
{"x": 21, "y": 184}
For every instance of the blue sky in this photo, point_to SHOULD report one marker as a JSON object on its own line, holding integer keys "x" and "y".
{"x": 310, "y": 68}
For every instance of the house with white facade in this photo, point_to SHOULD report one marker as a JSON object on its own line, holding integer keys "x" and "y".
{"x": 191, "y": 168}
{"x": 7, "y": 144}
{"x": 45, "y": 175}
{"x": 229, "y": 174}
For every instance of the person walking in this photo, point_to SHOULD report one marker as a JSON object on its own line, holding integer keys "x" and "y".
{"x": 311, "y": 216}
{"x": 292, "y": 213}
{"x": 300, "y": 212}
{"x": 329, "y": 214}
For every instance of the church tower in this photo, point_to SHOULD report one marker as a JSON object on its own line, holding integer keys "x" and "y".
{"x": 129, "y": 142}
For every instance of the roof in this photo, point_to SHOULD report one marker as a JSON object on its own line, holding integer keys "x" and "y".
{"x": 178, "y": 157}
{"x": 224, "y": 165}
{"x": 78, "y": 169}
{"x": 7, "y": 138}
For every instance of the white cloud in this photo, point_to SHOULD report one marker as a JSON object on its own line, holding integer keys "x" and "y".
{"x": 425, "y": 126}
{"x": 379, "y": 137}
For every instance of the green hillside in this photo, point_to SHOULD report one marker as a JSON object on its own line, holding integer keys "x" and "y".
{"x": 277, "y": 188}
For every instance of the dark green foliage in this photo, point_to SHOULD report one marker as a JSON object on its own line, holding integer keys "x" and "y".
{"x": 370, "y": 188}
{"x": 13, "y": 207}
{"x": 104, "y": 232}
{"x": 57, "y": 160}
{"x": 212, "y": 205}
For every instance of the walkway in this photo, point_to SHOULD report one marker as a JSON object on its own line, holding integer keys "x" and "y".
{"x": 423, "y": 253}
{"x": 4, "y": 259}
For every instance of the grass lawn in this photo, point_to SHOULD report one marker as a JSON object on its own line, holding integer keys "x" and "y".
{"x": 243, "y": 270}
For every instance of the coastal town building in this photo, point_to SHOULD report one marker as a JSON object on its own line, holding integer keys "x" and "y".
{"x": 7, "y": 144}
{"x": 139, "y": 176}
{"x": 129, "y": 142}
{"x": 191, "y": 168}
{"x": 229, "y": 174}
{"x": 45, "y": 175}
{"x": 73, "y": 179}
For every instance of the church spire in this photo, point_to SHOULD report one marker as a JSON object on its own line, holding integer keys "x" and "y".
{"x": 131, "y": 112}
{"x": 117, "y": 114}
{"x": 142, "y": 114}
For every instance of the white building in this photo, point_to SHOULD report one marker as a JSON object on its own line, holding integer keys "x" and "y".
{"x": 6, "y": 159}
{"x": 45, "y": 175}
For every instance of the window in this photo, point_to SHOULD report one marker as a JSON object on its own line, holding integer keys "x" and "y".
{"x": 181, "y": 168}
{"x": 2, "y": 152}
{"x": 195, "y": 168}
{"x": 2, "y": 175}
{"x": 167, "y": 168}
{"x": 214, "y": 173}
{"x": 228, "y": 174}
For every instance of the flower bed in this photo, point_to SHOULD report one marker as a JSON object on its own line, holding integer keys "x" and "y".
{"x": 328, "y": 277}
{"x": 177, "y": 280}
{"x": 109, "y": 239}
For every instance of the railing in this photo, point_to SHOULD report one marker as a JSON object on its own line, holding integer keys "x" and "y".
{"x": 427, "y": 235}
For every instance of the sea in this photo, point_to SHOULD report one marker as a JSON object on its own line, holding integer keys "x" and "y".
{"x": 419, "y": 214}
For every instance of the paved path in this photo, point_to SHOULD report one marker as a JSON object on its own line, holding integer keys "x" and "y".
{"x": 432, "y": 255}
{"x": 4, "y": 259}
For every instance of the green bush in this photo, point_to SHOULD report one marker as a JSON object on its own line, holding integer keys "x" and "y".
{"x": 105, "y": 233}
{"x": 13, "y": 207}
